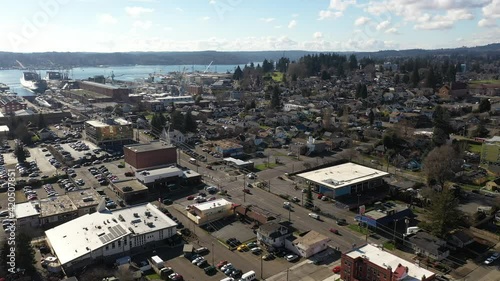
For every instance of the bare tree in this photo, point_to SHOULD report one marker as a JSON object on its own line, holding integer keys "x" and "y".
{"x": 441, "y": 164}
{"x": 124, "y": 274}
{"x": 349, "y": 154}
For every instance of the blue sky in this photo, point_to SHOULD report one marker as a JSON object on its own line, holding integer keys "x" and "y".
{"x": 233, "y": 25}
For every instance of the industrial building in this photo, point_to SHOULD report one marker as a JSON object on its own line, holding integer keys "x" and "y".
{"x": 145, "y": 156}
{"x": 370, "y": 262}
{"x": 106, "y": 235}
{"x": 112, "y": 91}
{"x": 109, "y": 131}
{"x": 11, "y": 103}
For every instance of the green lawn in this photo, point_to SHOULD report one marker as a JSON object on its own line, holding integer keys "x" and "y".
{"x": 359, "y": 229}
{"x": 264, "y": 166}
{"x": 485, "y": 82}
{"x": 389, "y": 246}
{"x": 475, "y": 148}
{"x": 277, "y": 76}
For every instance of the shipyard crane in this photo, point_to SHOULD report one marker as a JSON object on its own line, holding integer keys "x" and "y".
{"x": 112, "y": 76}
{"x": 206, "y": 69}
{"x": 20, "y": 64}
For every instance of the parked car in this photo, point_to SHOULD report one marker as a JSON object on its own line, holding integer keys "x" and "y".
{"x": 292, "y": 258}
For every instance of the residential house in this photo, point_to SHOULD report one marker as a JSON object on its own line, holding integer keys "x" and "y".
{"x": 428, "y": 245}
{"x": 460, "y": 239}
{"x": 273, "y": 234}
{"x": 309, "y": 244}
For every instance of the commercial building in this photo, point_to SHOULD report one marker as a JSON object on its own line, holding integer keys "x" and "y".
{"x": 169, "y": 100}
{"x": 344, "y": 179}
{"x": 105, "y": 235}
{"x": 385, "y": 214}
{"x": 145, "y": 156}
{"x": 110, "y": 131}
{"x": 130, "y": 191}
{"x": 112, "y": 91}
{"x": 228, "y": 148}
{"x": 210, "y": 211}
{"x": 370, "y": 262}
{"x": 309, "y": 244}
{"x": 56, "y": 210}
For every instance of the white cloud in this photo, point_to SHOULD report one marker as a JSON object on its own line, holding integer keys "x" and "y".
{"x": 492, "y": 10}
{"x": 205, "y": 18}
{"x": 487, "y": 22}
{"x": 107, "y": 19}
{"x": 292, "y": 24}
{"x": 361, "y": 21}
{"x": 180, "y": 10}
{"x": 212, "y": 2}
{"x": 318, "y": 35}
{"x": 341, "y": 5}
{"x": 327, "y": 14}
{"x": 392, "y": 30}
{"x": 434, "y": 25}
{"x": 139, "y": 24}
{"x": 383, "y": 25}
{"x": 137, "y": 11}
{"x": 267, "y": 19}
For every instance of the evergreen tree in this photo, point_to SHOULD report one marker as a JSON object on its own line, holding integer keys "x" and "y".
{"x": 358, "y": 90}
{"x": 371, "y": 117}
{"x": 443, "y": 214}
{"x": 238, "y": 73}
{"x": 189, "y": 124}
{"x": 364, "y": 92}
{"x": 353, "y": 62}
{"x": 484, "y": 105}
{"x": 25, "y": 254}
{"x": 20, "y": 153}
{"x": 430, "y": 79}
{"x": 294, "y": 77}
{"x": 406, "y": 79}
{"x": 441, "y": 123}
{"x": 275, "y": 99}
{"x": 177, "y": 120}
{"x": 282, "y": 64}
{"x": 480, "y": 131}
{"x": 325, "y": 75}
{"x": 396, "y": 78}
{"x": 415, "y": 78}
{"x": 252, "y": 104}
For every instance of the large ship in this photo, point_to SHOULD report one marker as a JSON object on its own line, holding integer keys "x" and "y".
{"x": 32, "y": 81}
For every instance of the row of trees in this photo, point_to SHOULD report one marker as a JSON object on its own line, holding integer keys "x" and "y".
{"x": 184, "y": 122}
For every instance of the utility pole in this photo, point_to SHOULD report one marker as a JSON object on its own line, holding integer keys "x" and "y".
{"x": 269, "y": 185}
{"x": 244, "y": 186}
{"x": 213, "y": 259}
{"x": 395, "y": 224}
{"x": 289, "y": 213}
{"x": 288, "y": 269}
{"x": 261, "y": 267}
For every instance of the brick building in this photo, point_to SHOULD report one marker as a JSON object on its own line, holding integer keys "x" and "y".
{"x": 195, "y": 90}
{"x": 109, "y": 131}
{"x": 10, "y": 104}
{"x": 370, "y": 262}
{"x": 156, "y": 154}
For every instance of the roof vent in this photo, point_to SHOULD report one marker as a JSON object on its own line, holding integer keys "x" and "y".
{"x": 136, "y": 215}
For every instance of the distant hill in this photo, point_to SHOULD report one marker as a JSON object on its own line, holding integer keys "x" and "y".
{"x": 48, "y": 59}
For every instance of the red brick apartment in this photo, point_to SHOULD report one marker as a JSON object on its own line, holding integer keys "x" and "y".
{"x": 371, "y": 263}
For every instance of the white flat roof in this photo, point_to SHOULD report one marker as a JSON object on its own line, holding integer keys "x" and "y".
{"x": 26, "y": 209}
{"x": 3, "y": 128}
{"x": 96, "y": 123}
{"x": 212, "y": 204}
{"x": 342, "y": 175}
{"x": 78, "y": 237}
{"x": 148, "y": 176}
{"x": 136, "y": 218}
{"x": 237, "y": 161}
{"x": 384, "y": 259}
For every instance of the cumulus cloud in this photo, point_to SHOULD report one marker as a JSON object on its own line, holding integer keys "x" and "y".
{"x": 137, "y": 11}
{"x": 361, "y": 21}
{"x": 443, "y": 13}
{"x": 205, "y": 18}
{"x": 318, "y": 35}
{"x": 107, "y": 19}
{"x": 327, "y": 14}
{"x": 392, "y": 30}
{"x": 292, "y": 24}
{"x": 383, "y": 25}
{"x": 340, "y": 5}
{"x": 487, "y": 22}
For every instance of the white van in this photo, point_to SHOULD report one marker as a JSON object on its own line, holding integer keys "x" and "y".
{"x": 227, "y": 279}
{"x": 314, "y": 216}
{"x": 192, "y": 160}
{"x": 249, "y": 276}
